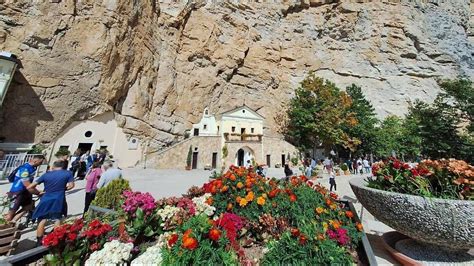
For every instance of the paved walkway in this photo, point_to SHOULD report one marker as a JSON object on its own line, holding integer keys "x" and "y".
{"x": 164, "y": 183}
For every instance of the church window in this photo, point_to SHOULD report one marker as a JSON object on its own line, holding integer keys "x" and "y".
{"x": 233, "y": 129}
{"x": 252, "y": 130}
{"x": 205, "y": 127}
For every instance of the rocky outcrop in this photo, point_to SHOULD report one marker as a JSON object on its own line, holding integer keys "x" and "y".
{"x": 157, "y": 65}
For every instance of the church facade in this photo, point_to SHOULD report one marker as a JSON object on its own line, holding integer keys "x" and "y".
{"x": 235, "y": 137}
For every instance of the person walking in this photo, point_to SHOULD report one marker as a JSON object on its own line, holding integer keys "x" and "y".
{"x": 19, "y": 195}
{"x": 53, "y": 205}
{"x": 328, "y": 165}
{"x": 332, "y": 181}
{"x": 109, "y": 174}
{"x": 359, "y": 166}
{"x": 308, "y": 169}
{"x": 92, "y": 179}
{"x": 75, "y": 162}
{"x": 354, "y": 166}
{"x": 349, "y": 165}
{"x": 288, "y": 172}
{"x": 366, "y": 165}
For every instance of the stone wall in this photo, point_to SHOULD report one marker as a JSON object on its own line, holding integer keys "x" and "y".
{"x": 276, "y": 147}
{"x": 175, "y": 157}
{"x": 156, "y": 66}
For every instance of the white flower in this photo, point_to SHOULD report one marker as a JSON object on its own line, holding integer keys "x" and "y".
{"x": 113, "y": 253}
{"x": 202, "y": 206}
{"x": 152, "y": 256}
{"x": 167, "y": 213}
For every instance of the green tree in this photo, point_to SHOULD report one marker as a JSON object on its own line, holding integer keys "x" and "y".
{"x": 388, "y": 135}
{"x": 438, "y": 128}
{"x": 317, "y": 114}
{"x": 364, "y": 113}
{"x": 459, "y": 93}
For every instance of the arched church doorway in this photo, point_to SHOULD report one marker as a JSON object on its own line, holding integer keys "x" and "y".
{"x": 244, "y": 156}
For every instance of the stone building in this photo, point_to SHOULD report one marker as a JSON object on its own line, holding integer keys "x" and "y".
{"x": 233, "y": 137}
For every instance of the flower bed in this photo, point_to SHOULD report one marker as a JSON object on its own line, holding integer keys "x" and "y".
{"x": 238, "y": 218}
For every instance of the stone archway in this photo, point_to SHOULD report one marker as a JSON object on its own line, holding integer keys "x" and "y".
{"x": 243, "y": 156}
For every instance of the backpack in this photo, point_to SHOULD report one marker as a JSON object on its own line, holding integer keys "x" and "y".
{"x": 11, "y": 176}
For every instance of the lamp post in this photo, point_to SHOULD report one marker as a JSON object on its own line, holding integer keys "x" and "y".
{"x": 8, "y": 65}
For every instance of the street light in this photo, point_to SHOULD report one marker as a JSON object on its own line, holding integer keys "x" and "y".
{"x": 8, "y": 65}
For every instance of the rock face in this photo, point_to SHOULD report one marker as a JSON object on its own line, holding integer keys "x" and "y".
{"x": 158, "y": 65}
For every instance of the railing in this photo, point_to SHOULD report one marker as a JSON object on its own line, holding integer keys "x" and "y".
{"x": 235, "y": 137}
{"x": 12, "y": 161}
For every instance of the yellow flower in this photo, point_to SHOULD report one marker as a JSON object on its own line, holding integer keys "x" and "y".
{"x": 319, "y": 210}
{"x": 243, "y": 202}
{"x": 250, "y": 196}
{"x": 260, "y": 200}
{"x": 240, "y": 185}
{"x": 325, "y": 226}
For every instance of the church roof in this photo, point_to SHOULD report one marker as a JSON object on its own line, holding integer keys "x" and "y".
{"x": 243, "y": 107}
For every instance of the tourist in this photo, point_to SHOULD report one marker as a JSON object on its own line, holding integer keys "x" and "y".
{"x": 81, "y": 172}
{"x": 19, "y": 195}
{"x": 313, "y": 163}
{"x": 89, "y": 161}
{"x": 109, "y": 174}
{"x": 332, "y": 181}
{"x": 328, "y": 165}
{"x": 308, "y": 169}
{"x": 64, "y": 158}
{"x": 288, "y": 171}
{"x": 366, "y": 165}
{"x": 92, "y": 179}
{"x": 102, "y": 156}
{"x": 349, "y": 165}
{"x": 53, "y": 205}
{"x": 354, "y": 166}
{"x": 75, "y": 158}
{"x": 359, "y": 166}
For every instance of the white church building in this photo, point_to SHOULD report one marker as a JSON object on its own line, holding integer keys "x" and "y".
{"x": 235, "y": 137}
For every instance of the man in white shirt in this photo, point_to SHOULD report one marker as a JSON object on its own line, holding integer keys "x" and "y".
{"x": 366, "y": 165}
{"x": 109, "y": 174}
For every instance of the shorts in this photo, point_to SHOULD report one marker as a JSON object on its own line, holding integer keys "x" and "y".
{"x": 19, "y": 199}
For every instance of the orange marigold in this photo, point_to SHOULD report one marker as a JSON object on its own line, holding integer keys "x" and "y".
{"x": 349, "y": 214}
{"x": 232, "y": 177}
{"x": 250, "y": 196}
{"x": 260, "y": 200}
{"x": 359, "y": 226}
{"x": 243, "y": 202}
{"x": 240, "y": 185}
{"x": 319, "y": 210}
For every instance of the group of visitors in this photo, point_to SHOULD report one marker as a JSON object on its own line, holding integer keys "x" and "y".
{"x": 81, "y": 162}
{"x": 57, "y": 180}
{"x": 359, "y": 165}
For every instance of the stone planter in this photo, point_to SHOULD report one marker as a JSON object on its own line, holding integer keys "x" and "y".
{"x": 445, "y": 223}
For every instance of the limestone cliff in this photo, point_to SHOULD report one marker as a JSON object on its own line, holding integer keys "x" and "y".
{"x": 158, "y": 65}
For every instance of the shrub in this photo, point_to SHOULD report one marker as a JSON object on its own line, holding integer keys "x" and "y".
{"x": 110, "y": 196}
{"x": 189, "y": 158}
{"x": 344, "y": 167}
{"x": 449, "y": 179}
{"x": 63, "y": 151}
{"x": 294, "y": 160}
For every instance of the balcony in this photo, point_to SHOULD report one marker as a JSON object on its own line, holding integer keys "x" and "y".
{"x": 235, "y": 137}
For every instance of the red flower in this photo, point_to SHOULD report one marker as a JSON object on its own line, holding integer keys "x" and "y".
{"x": 72, "y": 236}
{"x": 397, "y": 164}
{"x": 414, "y": 172}
{"x": 302, "y": 239}
{"x": 349, "y": 214}
{"x": 295, "y": 232}
{"x": 190, "y": 243}
{"x": 293, "y": 198}
{"x": 172, "y": 240}
{"x": 94, "y": 247}
{"x": 214, "y": 234}
{"x": 406, "y": 166}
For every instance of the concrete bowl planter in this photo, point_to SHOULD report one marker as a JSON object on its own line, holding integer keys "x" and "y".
{"x": 445, "y": 223}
